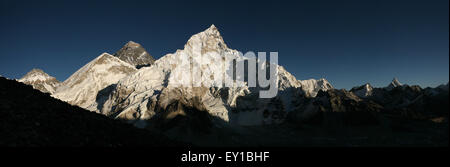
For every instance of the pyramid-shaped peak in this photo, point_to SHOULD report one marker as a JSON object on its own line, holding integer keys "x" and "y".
{"x": 35, "y": 71}
{"x": 34, "y": 75}
{"x": 208, "y": 40}
{"x": 395, "y": 82}
{"x": 135, "y": 54}
{"x": 212, "y": 30}
{"x": 132, "y": 44}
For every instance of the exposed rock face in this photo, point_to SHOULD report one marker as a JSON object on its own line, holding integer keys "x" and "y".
{"x": 40, "y": 80}
{"x": 134, "y": 54}
{"x": 83, "y": 86}
{"x": 140, "y": 96}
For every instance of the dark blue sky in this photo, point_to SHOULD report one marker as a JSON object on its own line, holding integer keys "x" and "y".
{"x": 347, "y": 42}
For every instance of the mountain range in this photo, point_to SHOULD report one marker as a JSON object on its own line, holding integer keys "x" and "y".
{"x": 132, "y": 86}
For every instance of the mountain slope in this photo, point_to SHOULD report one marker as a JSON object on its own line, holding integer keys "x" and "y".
{"x": 83, "y": 86}
{"x": 134, "y": 54}
{"x": 31, "y": 118}
{"x": 40, "y": 80}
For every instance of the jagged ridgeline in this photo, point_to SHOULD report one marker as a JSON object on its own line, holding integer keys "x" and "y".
{"x": 130, "y": 85}
{"x": 40, "y": 80}
{"x": 115, "y": 86}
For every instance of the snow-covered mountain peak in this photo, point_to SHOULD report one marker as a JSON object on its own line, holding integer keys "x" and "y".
{"x": 212, "y": 30}
{"x": 363, "y": 91}
{"x": 132, "y": 44}
{"x": 395, "y": 83}
{"x": 312, "y": 86}
{"x": 206, "y": 41}
{"x": 139, "y": 95}
{"x": 40, "y": 80}
{"x": 35, "y": 75}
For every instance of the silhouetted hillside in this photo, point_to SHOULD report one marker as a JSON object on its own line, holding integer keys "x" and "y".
{"x": 31, "y": 118}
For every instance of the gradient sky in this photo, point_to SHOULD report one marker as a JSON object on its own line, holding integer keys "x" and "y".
{"x": 347, "y": 42}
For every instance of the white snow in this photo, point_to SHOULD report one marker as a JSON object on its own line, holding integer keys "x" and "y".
{"x": 82, "y": 87}
{"x": 311, "y": 87}
{"x": 365, "y": 91}
{"x": 395, "y": 83}
{"x": 145, "y": 87}
{"x": 40, "y": 80}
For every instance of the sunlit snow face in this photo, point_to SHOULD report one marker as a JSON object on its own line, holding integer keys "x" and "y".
{"x": 212, "y": 69}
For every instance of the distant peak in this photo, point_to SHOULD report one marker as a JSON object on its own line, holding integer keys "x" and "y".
{"x": 132, "y": 43}
{"x": 395, "y": 82}
{"x": 134, "y": 54}
{"x": 212, "y": 30}
{"x": 35, "y": 71}
{"x": 35, "y": 74}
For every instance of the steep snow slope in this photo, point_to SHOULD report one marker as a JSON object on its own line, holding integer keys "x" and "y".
{"x": 83, "y": 86}
{"x": 40, "y": 80}
{"x": 151, "y": 90}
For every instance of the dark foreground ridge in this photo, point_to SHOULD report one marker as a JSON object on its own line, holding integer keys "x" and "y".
{"x": 31, "y": 118}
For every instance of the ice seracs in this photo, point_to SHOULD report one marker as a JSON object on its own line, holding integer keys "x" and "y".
{"x": 40, "y": 80}
{"x": 82, "y": 87}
